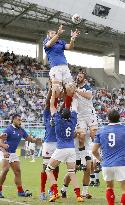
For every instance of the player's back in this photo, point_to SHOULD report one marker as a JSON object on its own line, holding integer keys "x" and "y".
{"x": 112, "y": 140}
{"x": 65, "y": 130}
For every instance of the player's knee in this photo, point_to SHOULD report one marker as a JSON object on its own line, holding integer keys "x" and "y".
{"x": 5, "y": 170}
{"x": 82, "y": 137}
{"x": 50, "y": 168}
{"x": 17, "y": 172}
{"x": 93, "y": 132}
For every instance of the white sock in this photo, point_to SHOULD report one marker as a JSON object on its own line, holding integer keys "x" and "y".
{"x": 96, "y": 175}
{"x": 92, "y": 177}
{"x": 85, "y": 190}
{"x": 64, "y": 188}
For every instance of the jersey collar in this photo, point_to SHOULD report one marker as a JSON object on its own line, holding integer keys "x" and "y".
{"x": 118, "y": 123}
{"x": 13, "y": 126}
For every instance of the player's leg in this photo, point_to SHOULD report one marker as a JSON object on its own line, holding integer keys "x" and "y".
{"x": 120, "y": 176}
{"x": 97, "y": 172}
{"x": 56, "y": 80}
{"x": 3, "y": 174}
{"x": 33, "y": 155}
{"x": 69, "y": 85}
{"x": 15, "y": 165}
{"x": 47, "y": 151}
{"x": 92, "y": 124}
{"x": 43, "y": 180}
{"x": 110, "y": 196}
{"x": 53, "y": 182}
{"x": 123, "y": 192}
{"x": 74, "y": 181}
{"x": 86, "y": 178}
{"x": 65, "y": 186}
{"x": 109, "y": 176}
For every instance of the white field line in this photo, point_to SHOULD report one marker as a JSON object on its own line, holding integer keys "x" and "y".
{"x": 14, "y": 202}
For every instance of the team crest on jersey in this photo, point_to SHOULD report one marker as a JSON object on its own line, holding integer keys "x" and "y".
{"x": 47, "y": 152}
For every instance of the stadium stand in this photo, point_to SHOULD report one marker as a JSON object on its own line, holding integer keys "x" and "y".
{"x": 21, "y": 91}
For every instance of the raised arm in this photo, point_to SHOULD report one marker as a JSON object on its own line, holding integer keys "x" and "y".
{"x": 47, "y": 105}
{"x": 74, "y": 35}
{"x": 55, "y": 37}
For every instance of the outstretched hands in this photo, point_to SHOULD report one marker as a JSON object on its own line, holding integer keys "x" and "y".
{"x": 75, "y": 34}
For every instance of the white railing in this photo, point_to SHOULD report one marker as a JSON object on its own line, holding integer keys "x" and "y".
{"x": 41, "y": 74}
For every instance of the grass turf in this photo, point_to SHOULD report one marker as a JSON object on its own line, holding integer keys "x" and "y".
{"x": 31, "y": 181}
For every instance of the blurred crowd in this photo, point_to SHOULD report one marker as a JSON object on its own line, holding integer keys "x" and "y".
{"x": 105, "y": 100}
{"x": 18, "y": 89}
{"x": 20, "y": 92}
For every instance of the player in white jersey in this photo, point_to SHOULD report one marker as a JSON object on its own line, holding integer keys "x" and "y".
{"x": 86, "y": 112}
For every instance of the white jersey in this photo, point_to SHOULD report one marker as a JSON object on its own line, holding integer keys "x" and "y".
{"x": 84, "y": 105}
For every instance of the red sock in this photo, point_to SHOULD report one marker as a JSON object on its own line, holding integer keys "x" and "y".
{"x": 68, "y": 101}
{"x": 43, "y": 181}
{"x": 0, "y": 188}
{"x": 56, "y": 102}
{"x": 122, "y": 199}
{"x": 20, "y": 188}
{"x": 77, "y": 192}
{"x": 56, "y": 173}
{"x": 110, "y": 196}
{"x": 54, "y": 189}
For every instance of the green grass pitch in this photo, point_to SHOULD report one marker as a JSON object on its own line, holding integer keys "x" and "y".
{"x": 31, "y": 180}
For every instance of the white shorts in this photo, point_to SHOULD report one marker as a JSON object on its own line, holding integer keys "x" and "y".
{"x": 12, "y": 158}
{"x": 87, "y": 121}
{"x": 48, "y": 150}
{"x": 64, "y": 155}
{"x": 61, "y": 73}
{"x": 114, "y": 173}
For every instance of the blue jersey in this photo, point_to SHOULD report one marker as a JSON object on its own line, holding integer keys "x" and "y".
{"x": 112, "y": 141}
{"x": 55, "y": 53}
{"x": 65, "y": 130}
{"x": 14, "y": 136}
{"x": 50, "y": 135}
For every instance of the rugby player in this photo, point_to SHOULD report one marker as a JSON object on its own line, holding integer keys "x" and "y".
{"x": 49, "y": 145}
{"x": 86, "y": 161}
{"x": 65, "y": 123}
{"x": 54, "y": 49}
{"x": 14, "y": 133}
{"x": 111, "y": 139}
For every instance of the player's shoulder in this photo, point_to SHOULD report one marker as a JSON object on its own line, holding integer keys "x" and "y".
{"x": 9, "y": 127}
{"x": 86, "y": 87}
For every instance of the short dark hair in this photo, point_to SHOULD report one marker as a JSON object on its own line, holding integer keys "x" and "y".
{"x": 114, "y": 116}
{"x": 15, "y": 116}
{"x": 65, "y": 113}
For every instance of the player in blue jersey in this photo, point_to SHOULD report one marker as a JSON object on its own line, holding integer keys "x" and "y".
{"x": 49, "y": 145}
{"x": 54, "y": 49}
{"x": 14, "y": 133}
{"x": 65, "y": 123}
{"x": 111, "y": 139}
